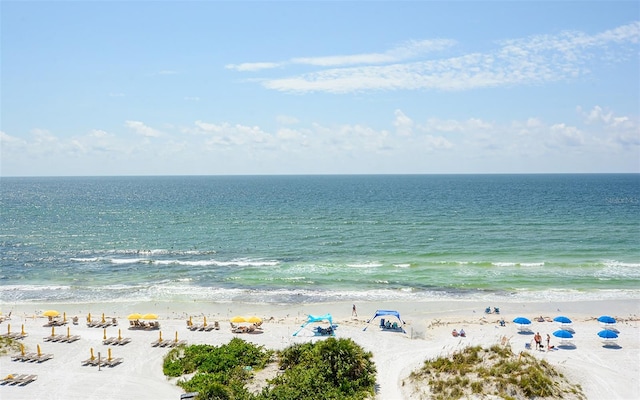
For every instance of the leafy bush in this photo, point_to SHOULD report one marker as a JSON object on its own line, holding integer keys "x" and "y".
{"x": 328, "y": 369}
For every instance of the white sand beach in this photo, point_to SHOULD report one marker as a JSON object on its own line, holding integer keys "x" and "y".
{"x": 603, "y": 372}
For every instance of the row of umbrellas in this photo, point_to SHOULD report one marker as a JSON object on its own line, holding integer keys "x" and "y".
{"x": 606, "y": 320}
{"x": 134, "y": 316}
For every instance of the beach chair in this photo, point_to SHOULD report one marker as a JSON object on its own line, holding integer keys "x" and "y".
{"x": 122, "y": 341}
{"x": 23, "y": 357}
{"x": 487, "y": 310}
{"x": 216, "y": 325}
{"x": 496, "y": 310}
{"x": 111, "y": 340}
{"x": 41, "y": 357}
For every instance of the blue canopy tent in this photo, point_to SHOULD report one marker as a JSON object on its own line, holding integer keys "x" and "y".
{"x": 385, "y": 324}
{"x": 319, "y": 331}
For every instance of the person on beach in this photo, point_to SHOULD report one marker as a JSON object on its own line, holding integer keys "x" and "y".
{"x": 354, "y": 313}
{"x": 548, "y": 342}
{"x": 454, "y": 333}
{"x": 538, "y": 340}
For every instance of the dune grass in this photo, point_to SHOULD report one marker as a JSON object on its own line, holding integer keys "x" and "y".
{"x": 494, "y": 371}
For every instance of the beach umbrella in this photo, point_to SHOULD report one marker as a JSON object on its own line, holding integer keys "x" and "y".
{"x": 109, "y": 353}
{"x": 607, "y": 320}
{"x": 607, "y": 334}
{"x": 89, "y": 317}
{"x": 51, "y": 313}
{"x": 254, "y": 320}
{"x": 521, "y": 321}
{"x": 150, "y": 316}
{"x": 134, "y": 316}
{"x": 562, "y": 334}
{"x": 205, "y": 321}
{"x": 238, "y": 319}
{"x": 562, "y": 319}
{"x": 119, "y": 335}
{"x": 39, "y": 352}
{"x": 103, "y": 319}
{"x": 104, "y": 336}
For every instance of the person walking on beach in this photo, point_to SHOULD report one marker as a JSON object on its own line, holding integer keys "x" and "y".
{"x": 354, "y": 313}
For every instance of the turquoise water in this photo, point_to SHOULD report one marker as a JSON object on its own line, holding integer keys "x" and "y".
{"x": 292, "y": 239}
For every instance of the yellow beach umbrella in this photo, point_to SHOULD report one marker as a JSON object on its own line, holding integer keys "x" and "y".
{"x": 89, "y": 317}
{"x": 39, "y": 352}
{"x": 109, "y": 351}
{"x": 205, "y": 321}
{"x": 8, "y": 329}
{"x": 104, "y": 336}
{"x": 119, "y": 334}
{"x": 51, "y": 313}
{"x": 176, "y": 336}
{"x": 254, "y": 320}
{"x": 23, "y": 332}
{"x": 92, "y": 356}
{"x": 103, "y": 320}
{"x": 134, "y": 316}
{"x": 238, "y": 318}
{"x": 150, "y": 316}
{"x": 159, "y": 336}
{"x": 22, "y": 348}
{"x": 68, "y": 332}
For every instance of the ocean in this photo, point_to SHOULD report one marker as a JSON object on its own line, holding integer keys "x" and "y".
{"x": 299, "y": 239}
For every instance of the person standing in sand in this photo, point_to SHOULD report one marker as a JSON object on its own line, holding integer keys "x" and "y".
{"x": 538, "y": 340}
{"x": 548, "y": 342}
{"x": 354, "y": 313}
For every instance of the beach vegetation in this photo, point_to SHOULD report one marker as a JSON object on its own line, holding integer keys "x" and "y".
{"x": 475, "y": 371}
{"x": 329, "y": 369}
{"x": 8, "y": 345}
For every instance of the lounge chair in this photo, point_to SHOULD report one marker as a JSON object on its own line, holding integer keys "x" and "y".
{"x": 216, "y": 325}
{"x": 111, "y": 340}
{"x": 23, "y": 357}
{"x": 122, "y": 341}
{"x": 487, "y": 310}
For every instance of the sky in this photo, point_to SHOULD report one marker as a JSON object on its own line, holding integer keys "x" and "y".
{"x": 93, "y": 88}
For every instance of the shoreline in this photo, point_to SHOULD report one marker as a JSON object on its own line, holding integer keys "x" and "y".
{"x": 602, "y": 372}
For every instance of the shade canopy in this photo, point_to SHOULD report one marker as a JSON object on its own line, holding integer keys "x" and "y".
{"x": 605, "y": 319}
{"x": 254, "y": 320}
{"x": 238, "y": 318}
{"x": 563, "y": 334}
{"x": 51, "y": 313}
{"x": 562, "y": 319}
{"x": 150, "y": 316}
{"x": 134, "y": 316}
{"x": 607, "y": 334}
{"x": 521, "y": 321}
{"x": 318, "y": 318}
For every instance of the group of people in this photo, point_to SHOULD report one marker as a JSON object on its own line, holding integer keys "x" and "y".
{"x": 538, "y": 339}
{"x": 462, "y": 333}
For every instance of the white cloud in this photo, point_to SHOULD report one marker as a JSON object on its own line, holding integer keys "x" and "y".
{"x": 567, "y": 135}
{"x": 403, "y": 124}
{"x": 257, "y": 66}
{"x": 287, "y": 120}
{"x": 526, "y": 61}
{"x": 141, "y": 129}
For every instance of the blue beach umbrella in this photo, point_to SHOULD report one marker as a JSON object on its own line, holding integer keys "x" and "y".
{"x": 562, "y": 334}
{"x": 562, "y": 319}
{"x": 607, "y": 334}
{"x": 521, "y": 321}
{"x": 607, "y": 320}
